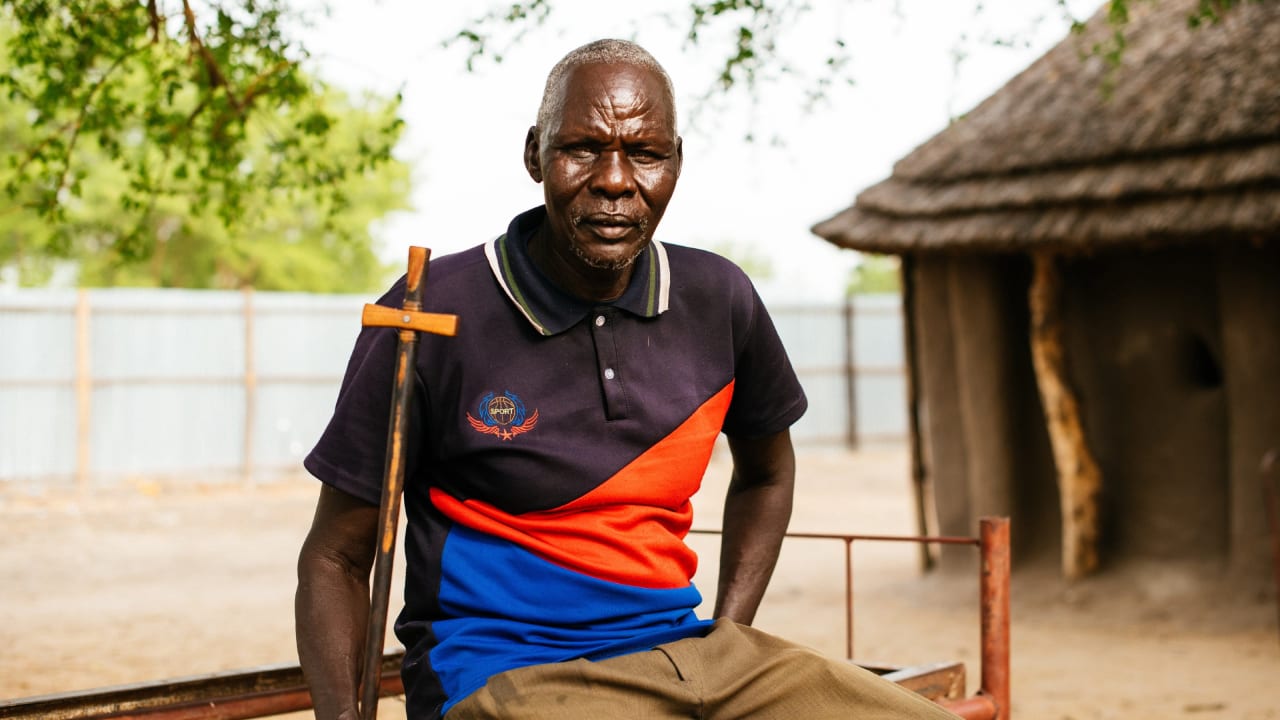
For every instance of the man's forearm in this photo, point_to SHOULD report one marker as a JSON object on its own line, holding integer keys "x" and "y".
{"x": 757, "y": 510}
{"x": 331, "y": 611}
{"x": 331, "y": 607}
{"x": 755, "y": 520}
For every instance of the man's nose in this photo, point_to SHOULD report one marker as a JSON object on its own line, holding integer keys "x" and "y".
{"x": 613, "y": 176}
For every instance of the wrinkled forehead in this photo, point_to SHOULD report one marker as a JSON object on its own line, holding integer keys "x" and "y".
{"x": 591, "y": 88}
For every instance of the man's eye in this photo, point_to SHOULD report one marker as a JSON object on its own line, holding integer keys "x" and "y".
{"x": 644, "y": 157}
{"x": 580, "y": 152}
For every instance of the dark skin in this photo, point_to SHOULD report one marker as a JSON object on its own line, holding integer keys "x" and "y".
{"x": 609, "y": 164}
{"x": 757, "y": 509}
{"x": 331, "y": 606}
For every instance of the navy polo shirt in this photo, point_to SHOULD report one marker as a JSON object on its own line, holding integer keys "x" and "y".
{"x": 556, "y": 445}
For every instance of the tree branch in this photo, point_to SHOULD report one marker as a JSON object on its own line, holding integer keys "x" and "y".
{"x": 154, "y": 19}
{"x": 216, "y": 78}
{"x": 257, "y": 85}
{"x": 75, "y": 125}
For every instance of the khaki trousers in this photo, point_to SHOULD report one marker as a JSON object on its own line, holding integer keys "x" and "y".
{"x": 734, "y": 672}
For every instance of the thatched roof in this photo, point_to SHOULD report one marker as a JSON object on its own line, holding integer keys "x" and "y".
{"x": 1186, "y": 147}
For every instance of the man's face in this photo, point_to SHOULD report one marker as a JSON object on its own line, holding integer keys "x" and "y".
{"x": 608, "y": 161}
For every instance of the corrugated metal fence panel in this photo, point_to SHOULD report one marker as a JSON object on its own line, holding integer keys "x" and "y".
{"x": 305, "y": 335}
{"x": 38, "y": 338}
{"x": 877, "y": 331}
{"x": 37, "y": 432}
{"x": 167, "y": 429}
{"x": 301, "y": 346}
{"x": 179, "y": 383}
{"x": 814, "y": 336}
{"x": 37, "y": 396}
{"x": 881, "y": 385}
{"x": 179, "y": 334}
{"x": 168, "y": 393}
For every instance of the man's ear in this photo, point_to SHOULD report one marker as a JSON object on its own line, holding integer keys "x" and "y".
{"x": 679, "y": 154}
{"x": 532, "y": 148}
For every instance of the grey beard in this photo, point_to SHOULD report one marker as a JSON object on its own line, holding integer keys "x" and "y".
{"x": 614, "y": 265}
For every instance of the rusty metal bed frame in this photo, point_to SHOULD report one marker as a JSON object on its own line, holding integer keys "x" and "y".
{"x": 277, "y": 689}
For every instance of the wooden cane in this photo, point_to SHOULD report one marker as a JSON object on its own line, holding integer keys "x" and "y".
{"x": 410, "y": 321}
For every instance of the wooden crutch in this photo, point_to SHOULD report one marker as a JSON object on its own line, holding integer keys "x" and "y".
{"x": 410, "y": 320}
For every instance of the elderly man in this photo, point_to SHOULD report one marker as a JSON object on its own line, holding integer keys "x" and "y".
{"x": 559, "y": 438}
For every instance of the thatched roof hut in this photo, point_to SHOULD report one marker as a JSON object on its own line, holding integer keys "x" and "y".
{"x": 1092, "y": 271}
{"x": 1185, "y": 146}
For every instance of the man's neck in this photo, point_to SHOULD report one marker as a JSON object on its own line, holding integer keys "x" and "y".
{"x": 572, "y": 274}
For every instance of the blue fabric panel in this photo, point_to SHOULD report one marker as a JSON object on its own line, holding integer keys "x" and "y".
{"x": 509, "y": 608}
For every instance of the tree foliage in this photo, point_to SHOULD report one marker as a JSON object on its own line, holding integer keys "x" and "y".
{"x": 134, "y": 127}
{"x": 199, "y": 111}
{"x": 753, "y": 261}
{"x": 749, "y": 34}
{"x": 1112, "y": 49}
{"x": 746, "y": 35}
{"x": 283, "y": 240}
{"x": 875, "y": 274}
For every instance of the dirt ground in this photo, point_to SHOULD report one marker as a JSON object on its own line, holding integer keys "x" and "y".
{"x": 155, "y": 581}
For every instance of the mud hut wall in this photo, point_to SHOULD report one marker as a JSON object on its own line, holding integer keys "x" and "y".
{"x": 942, "y": 443}
{"x": 1144, "y": 351}
{"x": 1249, "y": 301}
{"x": 980, "y": 336}
{"x": 982, "y": 436}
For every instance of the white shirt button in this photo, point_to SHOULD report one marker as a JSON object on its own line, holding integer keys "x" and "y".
{"x": 599, "y": 321}
{"x": 608, "y": 373}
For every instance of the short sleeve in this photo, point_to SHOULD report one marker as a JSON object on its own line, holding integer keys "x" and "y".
{"x": 351, "y": 453}
{"x": 767, "y": 396}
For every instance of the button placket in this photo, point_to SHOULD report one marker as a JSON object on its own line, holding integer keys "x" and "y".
{"x": 603, "y": 328}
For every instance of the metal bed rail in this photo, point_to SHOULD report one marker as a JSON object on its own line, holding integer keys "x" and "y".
{"x": 278, "y": 689}
{"x": 992, "y": 701}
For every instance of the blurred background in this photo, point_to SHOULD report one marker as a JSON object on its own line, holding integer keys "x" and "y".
{"x": 96, "y": 381}
{"x": 1045, "y": 283}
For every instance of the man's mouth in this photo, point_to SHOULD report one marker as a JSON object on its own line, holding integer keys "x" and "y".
{"x": 608, "y": 225}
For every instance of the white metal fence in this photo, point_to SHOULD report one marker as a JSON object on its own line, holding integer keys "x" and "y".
{"x": 100, "y": 387}
{"x": 850, "y": 360}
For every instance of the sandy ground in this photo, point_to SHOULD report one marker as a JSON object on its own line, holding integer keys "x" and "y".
{"x": 151, "y": 581}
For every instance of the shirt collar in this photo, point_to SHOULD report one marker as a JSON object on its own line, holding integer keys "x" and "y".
{"x": 551, "y": 310}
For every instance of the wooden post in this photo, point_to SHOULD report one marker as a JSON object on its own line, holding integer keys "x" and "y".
{"x": 84, "y": 392}
{"x": 250, "y": 388}
{"x": 1079, "y": 478}
{"x": 850, "y": 375}
{"x": 919, "y": 495}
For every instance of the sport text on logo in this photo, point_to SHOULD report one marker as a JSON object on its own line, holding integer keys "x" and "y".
{"x": 503, "y": 415}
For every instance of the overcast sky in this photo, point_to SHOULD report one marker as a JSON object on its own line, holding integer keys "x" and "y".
{"x": 466, "y": 129}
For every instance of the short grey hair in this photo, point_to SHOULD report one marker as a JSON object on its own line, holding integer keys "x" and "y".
{"x": 601, "y": 52}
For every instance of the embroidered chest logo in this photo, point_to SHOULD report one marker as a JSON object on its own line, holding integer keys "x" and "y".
{"x": 503, "y": 415}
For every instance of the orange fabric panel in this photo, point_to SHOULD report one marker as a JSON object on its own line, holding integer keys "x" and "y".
{"x": 630, "y": 529}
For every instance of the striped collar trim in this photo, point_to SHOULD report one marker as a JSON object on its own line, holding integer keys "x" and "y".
{"x": 551, "y": 310}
